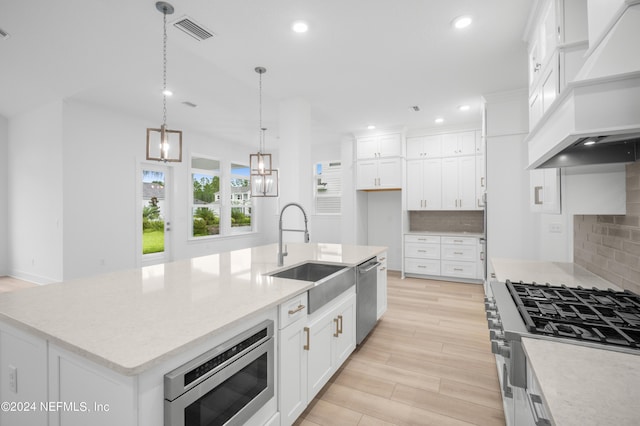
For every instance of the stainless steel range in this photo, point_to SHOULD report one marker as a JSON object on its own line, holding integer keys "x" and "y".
{"x": 605, "y": 319}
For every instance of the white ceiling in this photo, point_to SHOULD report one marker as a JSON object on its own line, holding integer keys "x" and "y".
{"x": 362, "y": 61}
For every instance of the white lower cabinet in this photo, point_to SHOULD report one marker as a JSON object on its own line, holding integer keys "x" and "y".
{"x": 382, "y": 285}
{"x": 23, "y": 373}
{"x": 443, "y": 256}
{"x": 312, "y": 350}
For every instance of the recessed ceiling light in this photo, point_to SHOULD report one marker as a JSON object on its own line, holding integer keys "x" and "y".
{"x": 371, "y": 127}
{"x": 300, "y": 27}
{"x": 464, "y": 108}
{"x": 462, "y": 22}
{"x": 439, "y": 120}
{"x": 167, "y": 92}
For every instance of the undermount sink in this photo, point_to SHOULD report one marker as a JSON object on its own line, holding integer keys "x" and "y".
{"x": 330, "y": 280}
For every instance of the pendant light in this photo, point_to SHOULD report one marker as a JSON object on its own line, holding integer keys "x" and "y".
{"x": 164, "y": 144}
{"x": 264, "y": 178}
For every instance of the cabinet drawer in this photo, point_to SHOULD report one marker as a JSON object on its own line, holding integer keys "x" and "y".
{"x": 458, "y": 269}
{"x": 421, "y": 266}
{"x": 425, "y": 251}
{"x": 459, "y": 252}
{"x": 292, "y": 310}
{"x": 468, "y": 241}
{"x": 431, "y": 239}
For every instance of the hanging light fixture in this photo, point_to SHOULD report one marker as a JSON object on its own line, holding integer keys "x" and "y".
{"x": 264, "y": 178}
{"x": 164, "y": 144}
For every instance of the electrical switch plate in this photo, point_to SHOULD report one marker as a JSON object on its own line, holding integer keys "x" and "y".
{"x": 555, "y": 228}
{"x": 13, "y": 379}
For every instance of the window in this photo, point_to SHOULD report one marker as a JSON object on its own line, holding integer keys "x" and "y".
{"x": 241, "y": 204}
{"x": 205, "y": 200}
{"x": 328, "y": 187}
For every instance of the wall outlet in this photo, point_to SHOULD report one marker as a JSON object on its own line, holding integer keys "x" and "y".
{"x": 555, "y": 228}
{"x": 13, "y": 379}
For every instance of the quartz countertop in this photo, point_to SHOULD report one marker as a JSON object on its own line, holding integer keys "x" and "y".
{"x": 133, "y": 320}
{"x": 447, "y": 234}
{"x": 542, "y": 272}
{"x": 580, "y": 385}
{"x": 606, "y": 392}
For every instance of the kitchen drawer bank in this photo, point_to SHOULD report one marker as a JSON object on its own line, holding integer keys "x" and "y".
{"x": 452, "y": 257}
{"x": 98, "y": 348}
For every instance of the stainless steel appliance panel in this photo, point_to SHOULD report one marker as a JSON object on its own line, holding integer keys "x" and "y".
{"x": 366, "y": 297}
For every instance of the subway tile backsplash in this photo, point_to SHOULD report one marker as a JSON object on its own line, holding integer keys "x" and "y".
{"x": 609, "y": 246}
{"x": 446, "y": 221}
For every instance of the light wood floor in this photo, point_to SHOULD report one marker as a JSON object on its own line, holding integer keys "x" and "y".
{"x": 427, "y": 362}
{"x": 11, "y": 284}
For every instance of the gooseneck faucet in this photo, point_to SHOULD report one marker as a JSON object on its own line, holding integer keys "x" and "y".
{"x": 283, "y": 253}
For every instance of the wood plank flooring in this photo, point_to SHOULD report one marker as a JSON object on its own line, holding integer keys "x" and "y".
{"x": 427, "y": 362}
{"x": 11, "y": 284}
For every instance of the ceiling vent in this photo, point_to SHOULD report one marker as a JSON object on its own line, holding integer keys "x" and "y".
{"x": 192, "y": 28}
{"x": 3, "y": 34}
{"x": 415, "y": 108}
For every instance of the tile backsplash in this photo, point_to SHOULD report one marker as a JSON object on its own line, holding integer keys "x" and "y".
{"x": 609, "y": 246}
{"x": 446, "y": 221}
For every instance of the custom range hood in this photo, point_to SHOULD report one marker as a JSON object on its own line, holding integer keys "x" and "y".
{"x": 596, "y": 119}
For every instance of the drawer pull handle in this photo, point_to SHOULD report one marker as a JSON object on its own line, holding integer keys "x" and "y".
{"x": 306, "y": 347}
{"x": 422, "y": 266}
{"x": 536, "y": 195}
{"x": 337, "y": 333}
{"x": 458, "y": 241}
{"x": 458, "y": 269}
{"x": 382, "y": 259}
{"x": 296, "y": 310}
{"x": 383, "y": 269}
{"x": 458, "y": 252}
{"x": 535, "y": 400}
{"x": 422, "y": 251}
{"x": 340, "y": 318}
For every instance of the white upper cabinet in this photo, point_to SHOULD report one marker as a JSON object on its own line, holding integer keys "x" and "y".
{"x": 424, "y": 184}
{"x": 424, "y": 147}
{"x": 557, "y": 41}
{"x": 379, "y": 146}
{"x": 454, "y": 144}
{"x": 458, "y": 183}
{"x": 544, "y": 191}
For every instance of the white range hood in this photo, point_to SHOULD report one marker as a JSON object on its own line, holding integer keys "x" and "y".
{"x": 602, "y": 102}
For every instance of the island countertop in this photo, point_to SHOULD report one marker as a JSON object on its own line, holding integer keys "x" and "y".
{"x": 132, "y": 320}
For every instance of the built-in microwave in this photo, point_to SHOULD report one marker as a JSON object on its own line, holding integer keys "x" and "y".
{"x": 224, "y": 386}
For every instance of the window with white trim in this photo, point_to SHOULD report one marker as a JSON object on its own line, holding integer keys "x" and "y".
{"x": 205, "y": 197}
{"x": 241, "y": 203}
{"x": 328, "y": 187}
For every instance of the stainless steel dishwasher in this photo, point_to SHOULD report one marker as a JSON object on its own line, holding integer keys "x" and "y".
{"x": 366, "y": 297}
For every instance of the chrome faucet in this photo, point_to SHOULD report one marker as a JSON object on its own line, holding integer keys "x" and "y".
{"x": 283, "y": 253}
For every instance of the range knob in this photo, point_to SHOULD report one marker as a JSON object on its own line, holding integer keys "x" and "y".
{"x": 494, "y": 324}
{"x": 500, "y": 348}
{"x": 496, "y": 335}
{"x": 493, "y": 315}
{"x": 489, "y": 305}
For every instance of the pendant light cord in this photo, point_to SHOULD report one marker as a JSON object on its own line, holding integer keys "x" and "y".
{"x": 164, "y": 69}
{"x": 262, "y": 129}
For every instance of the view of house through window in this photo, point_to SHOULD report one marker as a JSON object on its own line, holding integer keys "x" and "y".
{"x": 205, "y": 204}
{"x": 241, "y": 205}
{"x": 153, "y": 203}
{"x": 328, "y": 187}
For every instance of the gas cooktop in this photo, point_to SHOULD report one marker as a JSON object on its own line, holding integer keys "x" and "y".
{"x": 590, "y": 315}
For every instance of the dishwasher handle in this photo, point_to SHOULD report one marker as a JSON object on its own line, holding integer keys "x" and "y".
{"x": 368, "y": 267}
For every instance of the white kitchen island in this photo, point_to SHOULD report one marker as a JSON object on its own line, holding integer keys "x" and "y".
{"x": 578, "y": 385}
{"x": 110, "y": 339}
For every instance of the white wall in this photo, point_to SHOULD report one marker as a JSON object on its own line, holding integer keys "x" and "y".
{"x": 4, "y": 202}
{"x": 101, "y": 172}
{"x": 384, "y": 212}
{"x": 600, "y": 13}
{"x": 35, "y": 192}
